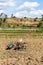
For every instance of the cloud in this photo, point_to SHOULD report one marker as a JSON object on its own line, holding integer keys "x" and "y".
{"x": 1, "y": 11}
{"x": 28, "y": 5}
{"x": 32, "y": 13}
{"x": 29, "y": 9}
{"x": 8, "y": 3}
{"x": 36, "y": 12}
{"x": 21, "y": 14}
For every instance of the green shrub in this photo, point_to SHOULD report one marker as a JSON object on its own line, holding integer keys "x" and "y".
{"x": 39, "y": 25}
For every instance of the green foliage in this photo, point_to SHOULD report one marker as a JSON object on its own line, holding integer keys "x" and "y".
{"x": 4, "y": 20}
{"x": 25, "y": 17}
{"x": 9, "y": 26}
{"x": 39, "y": 25}
{"x": 0, "y": 21}
{"x": 35, "y": 19}
{"x": 42, "y": 18}
{"x": 14, "y": 16}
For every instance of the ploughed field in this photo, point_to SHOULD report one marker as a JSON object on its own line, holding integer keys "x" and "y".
{"x": 32, "y": 55}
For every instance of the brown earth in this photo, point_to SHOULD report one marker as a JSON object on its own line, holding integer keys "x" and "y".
{"x": 32, "y": 55}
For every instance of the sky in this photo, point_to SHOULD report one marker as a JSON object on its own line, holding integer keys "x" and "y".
{"x": 22, "y": 8}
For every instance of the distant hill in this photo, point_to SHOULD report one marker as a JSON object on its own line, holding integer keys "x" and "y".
{"x": 18, "y": 22}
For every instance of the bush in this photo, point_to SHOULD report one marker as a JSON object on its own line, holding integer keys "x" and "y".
{"x": 42, "y": 18}
{"x": 0, "y": 21}
{"x": 35, "y": 19}
{"x": 39, "y": 25}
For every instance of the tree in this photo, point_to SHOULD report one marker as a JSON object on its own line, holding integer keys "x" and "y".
{"x": 0, "y": 21}
{"x": 11, "y": 15}
{"x": 35, "y": 19}
{"x": 42, "y": 18}
{"x": 39, "y": 25}
{"x": 3, "y": 16}
{"x": 25, "y": 17}
{"x": 14, "y": 16}
{"x": 4, "y": 20}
